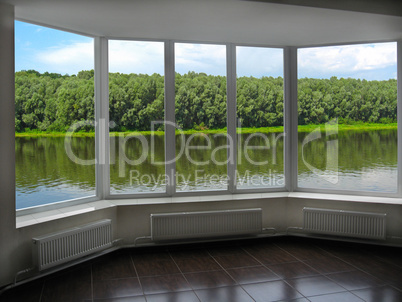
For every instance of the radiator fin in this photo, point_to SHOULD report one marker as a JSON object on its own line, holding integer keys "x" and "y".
{"x": 58, "y": 248}
{"x": 345, "y": 223}
{"x": 169, "y": 226}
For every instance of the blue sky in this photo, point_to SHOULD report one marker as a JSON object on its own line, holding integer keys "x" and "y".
{"x": 44, "y": 49}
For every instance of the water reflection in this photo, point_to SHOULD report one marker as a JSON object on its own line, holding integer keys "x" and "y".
{"x": 367, "y": 161}
{"x": 45, "y": 174}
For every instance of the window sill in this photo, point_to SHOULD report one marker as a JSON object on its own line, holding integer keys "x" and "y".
{"x": 201, "y": 198}
{"x": 46, "y": 216}
{"x": 348, "y": 198}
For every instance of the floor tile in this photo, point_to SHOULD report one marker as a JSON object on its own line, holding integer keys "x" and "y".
{"x": 338, "y": 297}
{"x": 379, "y": 294}
{"x": 113, "y": 267}
{"x": 346, "y": 251}
{"x": 231, "y": 293}
{"x": 327, "y": 271}
{"x": 386, "y": 272}
{"x": 271, "y": 255}
{"x": 115, "y": 288}
{"x": 189, "y": 253}
{"x": 303, "y": 251}
{"x": 355, "y": 280}
{"x": 254, "y": 274}
{"x": 209, "y": 279}
{"x": 240, "y": 260}
{"x": 164, "y": 284}
{"x": 292, "y": 270}
{"x": 156, "y": 267}
{"x": 313, "y": 286}
{"x": 150, "y": 254}
{"x": 73, "y": 286}
{"x": 30, "y": 292}
{"x": 187, "y": 265}
{"x": 329, "y": 265}
{"x": 225, "y": 250}
{"x": 271, "y": 291}
{"x": 188, "y": 296}
{"x": 125, "y": 299}
{"x": 391, "y": 255}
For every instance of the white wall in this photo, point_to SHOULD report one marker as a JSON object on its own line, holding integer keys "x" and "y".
{"x": 16, "y": 244}
{"x": 8, "y": 244}
{"x": 394, "y": 212}
{"x": 134, "y": 221}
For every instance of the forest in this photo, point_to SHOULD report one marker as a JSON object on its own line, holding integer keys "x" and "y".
{"x": 52, "y": 102}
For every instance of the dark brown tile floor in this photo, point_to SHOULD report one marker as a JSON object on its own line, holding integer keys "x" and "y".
{"x": 270, "y": 269}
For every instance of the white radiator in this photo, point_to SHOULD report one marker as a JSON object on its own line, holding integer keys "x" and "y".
{"x": 169, "y": 226}
{"x": 345, "y": 223}
{"x": 58, "y": 248}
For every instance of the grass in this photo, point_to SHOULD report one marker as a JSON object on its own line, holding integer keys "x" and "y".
{"x": 355, "y": 127}
{"x": 278, "y": 129}
{"x": 52, "y": 134}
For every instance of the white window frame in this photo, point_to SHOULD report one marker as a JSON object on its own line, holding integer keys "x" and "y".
{"x": 398, "y": 192}
{"x": 290, "y": 126}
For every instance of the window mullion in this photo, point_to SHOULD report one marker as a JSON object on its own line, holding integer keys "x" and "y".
{"x": 102, "y": 117}
{"x": 170, "y": 142}
{"x": 290, "y": 122}
{"x": 231, "y": 115}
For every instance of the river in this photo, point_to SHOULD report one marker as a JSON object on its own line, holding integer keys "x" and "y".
{"x": 351, "y": 160}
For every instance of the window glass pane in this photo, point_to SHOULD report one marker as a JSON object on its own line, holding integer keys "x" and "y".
{"x": 347, "y": 100}
{"x": 54, "y": 95}
{"x": 259, "y": 118}
{"x": 136, "y": 113}
{"x": 201, "y": 149}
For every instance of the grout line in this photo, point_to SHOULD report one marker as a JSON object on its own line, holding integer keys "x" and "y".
{"x": 359, "y": 269}
{"x": 92, "y": 283}
{"x": 42, "y": 290}
{"x": 238, "y": 284}
{"x": 138, "y": 277}
{"x": 334, "y": 293}
{"x": 301, "y": 261}
{"x": 192, "y": 289}
{"x": 356, "y": 295}
{"x": 329, "y": 254}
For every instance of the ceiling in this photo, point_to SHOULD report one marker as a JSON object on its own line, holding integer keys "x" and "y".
{"x": 233, "y": 21}
{"x": 384, "y": 7}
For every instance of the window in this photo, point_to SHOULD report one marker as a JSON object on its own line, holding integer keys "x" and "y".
{"x": 200, "y": 111}
{"x": 347, "y": 118}
{"x": 136, "y": 113}
{"x": 54, "y": 96}
{"x": 347, "y": 100}
{"x": 260, "y": 118}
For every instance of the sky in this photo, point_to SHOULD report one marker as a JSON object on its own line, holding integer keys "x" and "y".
{"x": 44, "y": 49}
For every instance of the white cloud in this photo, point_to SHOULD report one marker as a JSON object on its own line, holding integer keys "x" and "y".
{"x": 207, "y": 58}
{"x": 370, "y": 61}
{"x": 148, "y": 57}
{"x": 67, "y": 58}
{"x": 348, "y": 61}
{"x": 136, "y": 57}
{"x": 259, "y": 61}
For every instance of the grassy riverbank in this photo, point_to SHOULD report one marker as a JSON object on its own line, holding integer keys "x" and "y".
{"x": 303, "y": 128}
